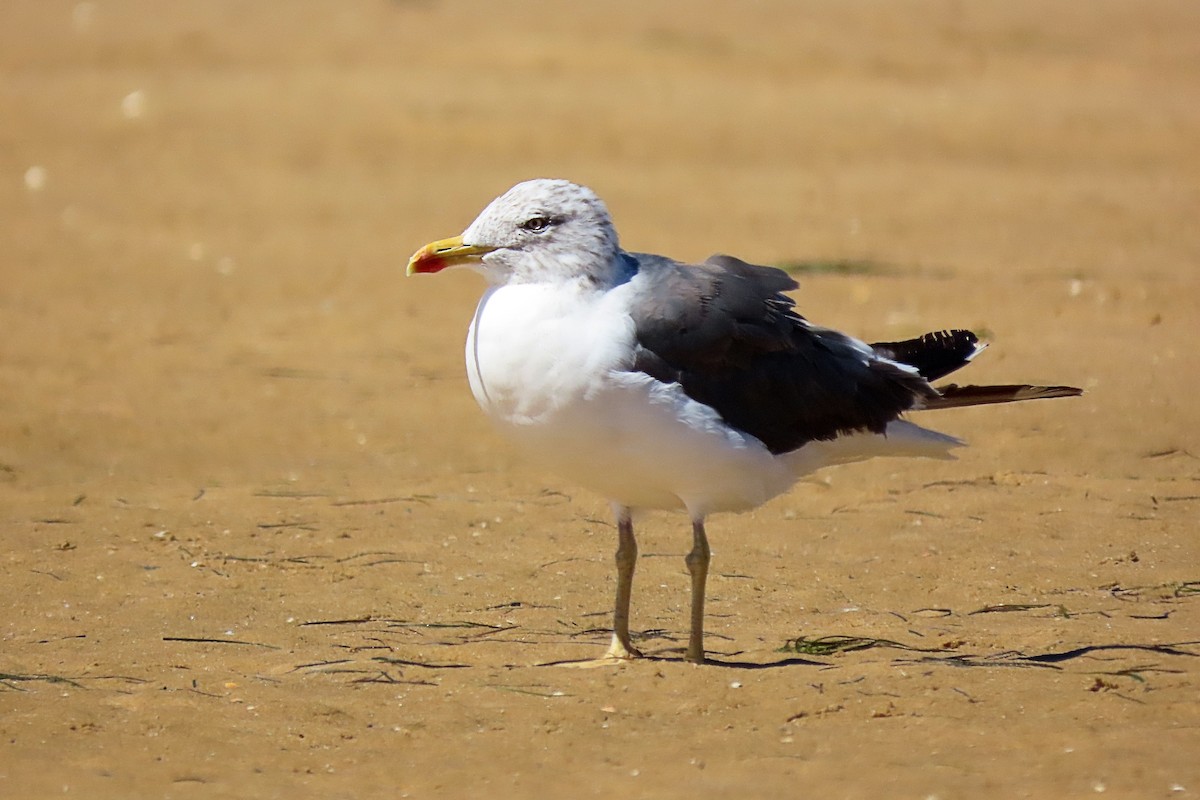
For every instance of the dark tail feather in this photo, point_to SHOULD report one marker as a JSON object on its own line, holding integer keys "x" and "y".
{"x": 934, "y": 355}
{"x": 954, "y": 396}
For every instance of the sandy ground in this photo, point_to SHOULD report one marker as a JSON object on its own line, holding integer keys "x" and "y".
{"x": 258, "y": 541}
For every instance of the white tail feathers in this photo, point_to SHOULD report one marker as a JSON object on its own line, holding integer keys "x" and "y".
{"x": 902, "y": 438}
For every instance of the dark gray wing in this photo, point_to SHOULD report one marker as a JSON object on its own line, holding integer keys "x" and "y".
{"x": 725, "y": 332}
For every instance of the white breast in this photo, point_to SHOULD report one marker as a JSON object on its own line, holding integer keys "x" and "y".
{"x": 534, "y": 349}
{"x": 551, "y": 366}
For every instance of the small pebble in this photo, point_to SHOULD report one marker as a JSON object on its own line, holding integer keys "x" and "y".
{"x": 133, "y": 105}
{"x": 82, "y": 15}
{"x": 35, "y": 178}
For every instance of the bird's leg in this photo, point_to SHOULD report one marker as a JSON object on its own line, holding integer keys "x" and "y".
{"x": 622, "y": 647}
{"x": 697, "y": 564}
{"x": 621, "y": 650}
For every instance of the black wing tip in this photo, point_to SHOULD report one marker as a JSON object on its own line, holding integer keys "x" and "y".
{"x": 1032, "y": 391}
{"x": 935, "y": 354}
{"x": 1059, "y": 391}
{"x": 953, "y": 396}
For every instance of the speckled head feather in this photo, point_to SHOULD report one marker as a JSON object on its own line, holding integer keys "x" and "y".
{"x": 546, "y": 230}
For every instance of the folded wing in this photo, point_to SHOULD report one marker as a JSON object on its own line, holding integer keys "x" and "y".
{"x": 728, "y": 335}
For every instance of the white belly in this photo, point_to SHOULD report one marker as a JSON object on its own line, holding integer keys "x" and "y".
{"x": 552, "y": 369}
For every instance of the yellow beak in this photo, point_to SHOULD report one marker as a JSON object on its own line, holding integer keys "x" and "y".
{"x": 437, "y": 256}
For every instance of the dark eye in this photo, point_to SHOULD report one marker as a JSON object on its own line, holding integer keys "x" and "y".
{"x": 537, "y": 224}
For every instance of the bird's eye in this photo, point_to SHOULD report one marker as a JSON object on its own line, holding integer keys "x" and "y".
{"x": 537, "y": 224}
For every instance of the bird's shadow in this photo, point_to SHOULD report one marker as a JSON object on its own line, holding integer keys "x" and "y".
{"x": 783, "y": 662}
{"x": 727, "y": 663}
{"x": 1009, "y": 658}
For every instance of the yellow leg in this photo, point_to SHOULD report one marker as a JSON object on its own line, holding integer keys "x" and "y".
{"x": 621, "y": 649}
{"x": 697, "y": 564}
{"x": 627, "y": 552}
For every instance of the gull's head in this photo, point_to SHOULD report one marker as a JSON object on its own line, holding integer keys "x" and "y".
{"x": 539, "y": 230}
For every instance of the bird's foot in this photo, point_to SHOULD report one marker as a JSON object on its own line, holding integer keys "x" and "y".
{"x": 618, "y": 653}
{"x": 622, "y": 650}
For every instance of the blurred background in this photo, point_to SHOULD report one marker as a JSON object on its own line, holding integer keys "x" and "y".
{"x": 205, "y": 208}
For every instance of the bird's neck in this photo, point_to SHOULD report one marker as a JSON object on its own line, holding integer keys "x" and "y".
{"x": 586, "y": 271}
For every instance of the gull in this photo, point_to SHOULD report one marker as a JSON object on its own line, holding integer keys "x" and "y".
{"x": 668, "y": 386}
